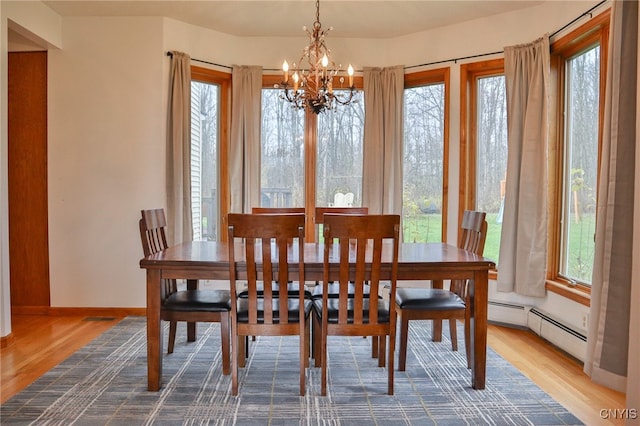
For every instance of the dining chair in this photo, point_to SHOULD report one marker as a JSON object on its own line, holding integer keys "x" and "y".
{"x": 291, "y": 287}
{"x": 191, "y": 305}
{"x": 270, "y": 248}
{"x": 318, "y": 221}
{"x": 319, "y": 212}
{"x": 439, "y": 304}
{"x": 358, "y": 250}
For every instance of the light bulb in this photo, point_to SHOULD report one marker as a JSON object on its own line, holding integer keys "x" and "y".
{"x": 285, "y": 68}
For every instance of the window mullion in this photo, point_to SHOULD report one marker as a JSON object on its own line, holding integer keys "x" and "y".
{"x": 310, "y": 171}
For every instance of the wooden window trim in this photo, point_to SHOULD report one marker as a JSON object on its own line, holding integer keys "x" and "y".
{"x": 469, "y": 75}
{"x": 595, "y": 31}
{"x": 222, "y": 79}
{"x": 578, "y": 293}
{"x": 424, "y": 78}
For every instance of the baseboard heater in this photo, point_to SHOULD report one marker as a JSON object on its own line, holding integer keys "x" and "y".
{"x": 558, "y": 333}
{"x": 507, "y": 313}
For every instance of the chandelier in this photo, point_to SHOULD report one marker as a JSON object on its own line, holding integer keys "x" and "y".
{"x": 312, "y": 88}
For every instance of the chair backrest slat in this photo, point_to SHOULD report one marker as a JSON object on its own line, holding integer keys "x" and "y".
{"x": 321, "y": 211}
{"x": 277, "y": 210}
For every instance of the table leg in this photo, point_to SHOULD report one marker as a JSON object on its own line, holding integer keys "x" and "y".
{"x": 191, "y": 326}
{"x": 478, "y": 298}
{"x": 154, "y": 332}
{"x": 437, "y": 324}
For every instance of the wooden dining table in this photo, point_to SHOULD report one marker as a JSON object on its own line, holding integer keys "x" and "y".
{"x": 208, "y": 260}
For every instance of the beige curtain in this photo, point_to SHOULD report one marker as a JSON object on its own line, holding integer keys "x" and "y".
{"x": 178, "y": 164}
{"x": 382, "y": 168}
{"x": 608, "y": 338}
{"x": 244, "y": 152}
{"x": 523, "y": 245}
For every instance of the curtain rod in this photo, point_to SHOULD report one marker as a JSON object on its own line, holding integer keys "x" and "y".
{"x": 454, "y": 60}
{"x": 205, "y": 62}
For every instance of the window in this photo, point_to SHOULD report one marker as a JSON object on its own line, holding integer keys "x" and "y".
{"x": 340, "y": 156}
{"x": 580, "y": 166}
{"x": 424, "y": 164}
{"x": 208, "y": 95}
{"x": 491, "y": 157}
{"x": 282, "y": 153}
{"x": 578, "y": 60}
{"x": 310, "y": 160}
{"x": 484, "y": 151}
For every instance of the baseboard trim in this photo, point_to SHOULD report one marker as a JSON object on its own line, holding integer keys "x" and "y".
{"x": 78, "y": 311}
{"x": 6, "y": 341}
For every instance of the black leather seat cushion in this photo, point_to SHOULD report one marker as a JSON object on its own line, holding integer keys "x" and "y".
{"x": 333, "y": 303}
{"x": 428, "y": 299}
{"x": 292, "y": 291}
{"x": 293, "y": 309}
{"x": 198, "y": 300}
{"x": 334, "y": 290}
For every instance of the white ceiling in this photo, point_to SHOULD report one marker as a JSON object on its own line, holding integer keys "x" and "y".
{"x": 349, "y": 18}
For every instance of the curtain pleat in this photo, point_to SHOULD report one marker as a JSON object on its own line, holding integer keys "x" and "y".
{"x": 383, "y": 137}
{"x": 244, "y": 152}
{"x": 608, "y": 337}
{"x": 523, "y": 244}
{"x": 178, "y": 161}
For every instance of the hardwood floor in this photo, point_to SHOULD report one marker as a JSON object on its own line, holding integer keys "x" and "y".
{"x": 557, "y": 373}
{"x": 41, "y": 342}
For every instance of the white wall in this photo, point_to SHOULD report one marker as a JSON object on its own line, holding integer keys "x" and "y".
{"x": 106, "y": 157}
{"x": 107, "y": 98}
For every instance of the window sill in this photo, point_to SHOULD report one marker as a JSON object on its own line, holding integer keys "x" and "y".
{"x": 574, "y": 293}
{"x": 578, "y": 294}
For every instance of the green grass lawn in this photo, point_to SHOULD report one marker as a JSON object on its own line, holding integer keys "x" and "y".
{"x": 428, "y": 228}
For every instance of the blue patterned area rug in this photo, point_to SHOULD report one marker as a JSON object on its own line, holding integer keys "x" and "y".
{"x": 105, "y": 382}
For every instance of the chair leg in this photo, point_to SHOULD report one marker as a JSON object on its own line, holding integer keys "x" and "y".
{"x": 375, "y": 343}
{"x": 172, "y": 336}
{"x": 226, "y": 341}
{"x": 467, "y": 340}
{"x": 304, "y": 357}
{"x": 453, "y": 333}
{"x": 235, "y": 339}
{"x": 391, "y": 366}
{"x": 382, "y": 350}
{"x": 307, "y": 336}
{"x": 317, "y": 342}
{"x": 191, "y": 332}
{"x": 323, "y": 357}
{"x": 404, "y": 336}
{"x": 243, "y": 350}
